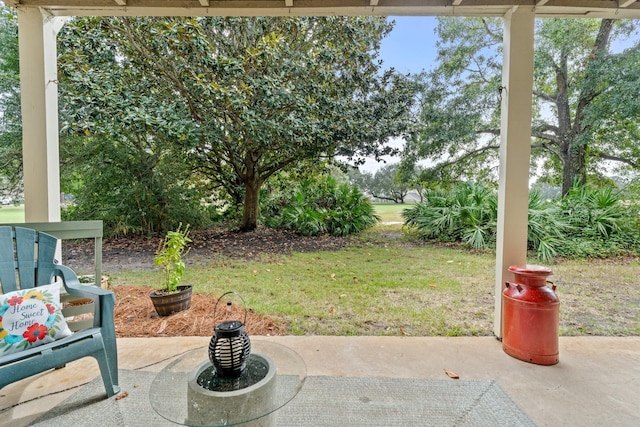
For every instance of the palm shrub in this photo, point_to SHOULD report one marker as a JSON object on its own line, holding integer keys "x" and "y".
{"x": 273, "y": 200}
{"x": 301, "y": 216}
{"x": 321, "y": 205}
{"x": 600, "y": 223}
{"x": 595, "y": 211}
{"x": 547, "y": 227}
{"x": 587, "y": 222}
{"x": 466, "y": 213}
{"x": 350, "y": 212}
{"x": 431, "y": 218}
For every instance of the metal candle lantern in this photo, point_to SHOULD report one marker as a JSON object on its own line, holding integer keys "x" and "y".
{"x": 230, "y": 346}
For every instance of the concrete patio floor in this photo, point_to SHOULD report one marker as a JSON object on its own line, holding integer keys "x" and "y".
{"x": 596, "y": 383}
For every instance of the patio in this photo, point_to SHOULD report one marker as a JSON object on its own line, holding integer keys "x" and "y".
{"x": 597, "y": 381}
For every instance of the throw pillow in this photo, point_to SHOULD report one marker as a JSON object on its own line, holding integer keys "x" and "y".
{"x": 31, "y": 317}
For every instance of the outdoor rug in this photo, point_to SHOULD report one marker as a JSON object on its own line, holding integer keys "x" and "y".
{"x": 322, "y": 402}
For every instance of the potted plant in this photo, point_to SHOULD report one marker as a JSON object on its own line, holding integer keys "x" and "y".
{"x": 172, "y": 297}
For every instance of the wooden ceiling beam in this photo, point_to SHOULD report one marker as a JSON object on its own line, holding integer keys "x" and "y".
{"x": 543, "y": 8}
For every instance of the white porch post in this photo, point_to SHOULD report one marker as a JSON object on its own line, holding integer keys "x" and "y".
{"x": 39, "y": 97}
{"x": 515, "y": 149}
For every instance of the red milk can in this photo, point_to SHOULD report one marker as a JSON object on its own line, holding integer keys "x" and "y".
{"x": 530, "y": 316}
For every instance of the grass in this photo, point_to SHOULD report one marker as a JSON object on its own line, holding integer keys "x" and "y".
{"x": 390, "y": 212}
{"x": 598, "y": 297}
{"x": 371, "y": 290}
{"x": 391, "y": 286}
{"x": 10, "y": 214}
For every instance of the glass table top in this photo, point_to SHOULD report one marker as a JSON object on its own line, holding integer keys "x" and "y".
{"x": 173, "y": 397}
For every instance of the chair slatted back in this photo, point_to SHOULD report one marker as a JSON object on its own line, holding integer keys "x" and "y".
{"x": 26, "y": 258}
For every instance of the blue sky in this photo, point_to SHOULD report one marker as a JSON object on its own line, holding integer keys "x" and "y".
{"x": 410, "y": 47}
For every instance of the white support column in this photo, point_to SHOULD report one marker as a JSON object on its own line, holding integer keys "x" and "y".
{"x": 39, "y": 95}
{"x": 515, "y": 149}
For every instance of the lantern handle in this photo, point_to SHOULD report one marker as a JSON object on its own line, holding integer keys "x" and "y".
{"x": 215, "y": 308}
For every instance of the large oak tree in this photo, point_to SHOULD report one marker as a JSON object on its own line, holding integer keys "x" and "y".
{"x": 586, "y": 103}
{"x": 240, "y": 98}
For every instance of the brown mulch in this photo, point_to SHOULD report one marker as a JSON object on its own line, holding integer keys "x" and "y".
{"x": 136, "y": 317}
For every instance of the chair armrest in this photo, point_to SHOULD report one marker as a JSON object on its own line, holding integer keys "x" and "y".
{"x": 103, "y": 299}
{"x": 73, "y": 286}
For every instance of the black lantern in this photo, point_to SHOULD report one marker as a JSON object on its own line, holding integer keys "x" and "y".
{"x": 230, "y": 346}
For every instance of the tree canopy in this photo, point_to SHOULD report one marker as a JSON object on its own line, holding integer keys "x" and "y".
{"x": 10, "y": 117}
{"x": 387, "y": 183}
{"x": 586, "y": 107}
{"x": 236, "y": 99}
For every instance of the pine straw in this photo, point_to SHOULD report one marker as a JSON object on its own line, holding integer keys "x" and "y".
{"x": 136, "y": 317}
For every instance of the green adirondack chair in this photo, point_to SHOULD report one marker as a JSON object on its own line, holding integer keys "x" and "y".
{"x": 27, "y": 261}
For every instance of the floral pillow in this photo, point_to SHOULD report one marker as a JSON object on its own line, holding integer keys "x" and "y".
{"x": 31, "y": 317}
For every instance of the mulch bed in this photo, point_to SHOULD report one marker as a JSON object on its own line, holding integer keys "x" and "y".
{"x": 136, "y": 317}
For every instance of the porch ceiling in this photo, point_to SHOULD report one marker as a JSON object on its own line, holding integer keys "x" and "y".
{"x": 542, "y": 8}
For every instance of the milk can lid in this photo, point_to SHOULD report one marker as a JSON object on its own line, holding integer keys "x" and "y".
{"x": 530, "y": 269}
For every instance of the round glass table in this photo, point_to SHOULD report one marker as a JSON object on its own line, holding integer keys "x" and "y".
{"x": 170, "y": 390}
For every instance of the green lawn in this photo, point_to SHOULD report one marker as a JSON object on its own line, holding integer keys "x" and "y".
{"x": 385, "y": 283}
{"x": 390, "y": 212}
{"x": 9, "y": 214}
{"x": 362, "y": 290}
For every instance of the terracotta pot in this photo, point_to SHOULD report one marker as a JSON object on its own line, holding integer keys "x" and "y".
{"x": 166, "y": 304}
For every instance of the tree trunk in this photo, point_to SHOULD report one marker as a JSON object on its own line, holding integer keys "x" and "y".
{"x": 574, "y": 168}
{"x": 573, "y": 136}
{"x": 251, "y": 204}
{"x": 575, "y": 149}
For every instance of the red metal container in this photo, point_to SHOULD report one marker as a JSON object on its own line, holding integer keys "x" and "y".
{"x": 530, "y": 316}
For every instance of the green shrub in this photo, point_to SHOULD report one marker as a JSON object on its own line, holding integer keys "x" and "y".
{"x": 547, "y": 227}
{"x": 466, "y": 213}
{"x": 319, "y": 206}
{"x": 134, "y": 191}
{"x": 134, "y": 208}
{"x": 587, "y": 222}
{"x": 600, "y": 224}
